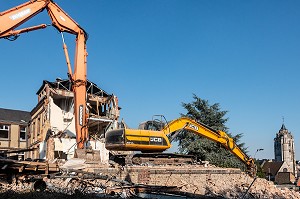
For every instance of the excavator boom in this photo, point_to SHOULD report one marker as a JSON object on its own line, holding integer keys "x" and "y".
{"x": 14, "y": 17}
{"x": 207, "y": 132}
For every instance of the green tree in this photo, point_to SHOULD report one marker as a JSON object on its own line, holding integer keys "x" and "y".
{"x": 211, "y": 115}
{"x": 260, "y": 172}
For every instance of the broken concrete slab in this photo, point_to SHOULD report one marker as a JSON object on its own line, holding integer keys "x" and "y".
{"x": 74, "y": 163}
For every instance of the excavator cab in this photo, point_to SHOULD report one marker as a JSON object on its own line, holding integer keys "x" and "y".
{"x": 149, "y": 137}
{"x": 157, "y": 123}
{"x": 153, "y": 125}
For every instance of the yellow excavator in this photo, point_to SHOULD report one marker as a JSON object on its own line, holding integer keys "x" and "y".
{"x": 154, "y": 137}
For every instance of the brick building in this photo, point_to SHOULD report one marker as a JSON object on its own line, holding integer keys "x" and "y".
{"x": 13, "y": 132}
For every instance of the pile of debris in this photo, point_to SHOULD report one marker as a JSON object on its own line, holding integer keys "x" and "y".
{"x": 242, "y": 186}
{"x": 191, "y": 181}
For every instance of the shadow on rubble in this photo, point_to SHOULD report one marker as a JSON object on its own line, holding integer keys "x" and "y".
{"x": 46, "y": 195}
{"x": 54, "y": 195}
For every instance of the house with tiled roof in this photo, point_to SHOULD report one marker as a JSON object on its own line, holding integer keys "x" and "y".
{"x": 278, "y": 172}
{"x": 13, "y": 132}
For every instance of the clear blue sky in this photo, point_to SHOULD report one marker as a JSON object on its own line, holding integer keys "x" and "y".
{"x": 154, "y": 54}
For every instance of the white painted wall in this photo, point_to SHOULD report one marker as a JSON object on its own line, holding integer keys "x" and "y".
{"x": 104, "y": 153}
{"x": 42, "y": 150}
{"x": 57, "y": 116}
{"x": 67, "y": 145}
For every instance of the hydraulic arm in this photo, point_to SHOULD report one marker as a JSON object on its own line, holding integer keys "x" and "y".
{"x": 14, "y": 17}
{"x": 146, "y": 140}
{"x": 214, "y": 135}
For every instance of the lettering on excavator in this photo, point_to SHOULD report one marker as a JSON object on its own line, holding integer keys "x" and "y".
{"x": 20, "y": 14}
{"x": 81, "y": 115}
{"x": 194, "y": 127}
{"x": 155, "y": 139}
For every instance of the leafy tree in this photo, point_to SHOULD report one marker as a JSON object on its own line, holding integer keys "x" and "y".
{"x": 212, "y": 116}
{"x": 260, "y": 172}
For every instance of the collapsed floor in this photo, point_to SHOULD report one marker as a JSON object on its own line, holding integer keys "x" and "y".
{"x": 200, "y": 181}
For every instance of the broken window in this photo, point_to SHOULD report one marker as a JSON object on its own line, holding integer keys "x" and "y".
{"x": 22, "y": 133}
{"x": 4, "y": 131}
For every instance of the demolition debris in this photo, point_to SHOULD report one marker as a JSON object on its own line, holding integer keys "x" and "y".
{"x": 189, "y": 181}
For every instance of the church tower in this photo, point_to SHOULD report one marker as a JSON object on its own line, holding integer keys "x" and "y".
{"x": 284, "y": 149}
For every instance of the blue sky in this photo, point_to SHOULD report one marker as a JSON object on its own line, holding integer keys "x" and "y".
{"x": 154, "y": 54}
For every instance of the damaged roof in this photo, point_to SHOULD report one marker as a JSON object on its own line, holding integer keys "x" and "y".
{"x": 66, "y": 84}
{"x": 14, "y": 116}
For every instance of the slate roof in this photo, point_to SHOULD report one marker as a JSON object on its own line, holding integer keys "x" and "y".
{"x": 16, "y": 116}
{"x": 274, "y": 167}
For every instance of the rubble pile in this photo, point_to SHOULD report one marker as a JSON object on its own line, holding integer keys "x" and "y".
{"x": 205, "y": 185}
{"x": 56, "y": 188}
{"x": 235, "y": 186}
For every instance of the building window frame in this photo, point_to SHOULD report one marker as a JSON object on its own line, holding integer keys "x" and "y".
{"x": 5, "y": 128}
{"x": 23, "y": 131}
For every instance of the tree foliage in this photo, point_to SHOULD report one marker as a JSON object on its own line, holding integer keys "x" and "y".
{"x": 212, "y": 116}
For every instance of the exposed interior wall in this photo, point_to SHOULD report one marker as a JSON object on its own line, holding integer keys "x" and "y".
{"x": 64, "y": 148}
{"x": 61, "y": 116}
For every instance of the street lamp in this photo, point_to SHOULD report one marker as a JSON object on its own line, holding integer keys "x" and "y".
{"x": 256, "y": 152}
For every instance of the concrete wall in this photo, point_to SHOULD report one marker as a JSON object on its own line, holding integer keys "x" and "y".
{"x": 195, "y": 179}
{"x": 284, "y": 178}
{"x": 68, "y": 146}
{"x": 104, "y": 153}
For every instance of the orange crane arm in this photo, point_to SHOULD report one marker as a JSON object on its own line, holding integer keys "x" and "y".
{"x": 14, "y": 17}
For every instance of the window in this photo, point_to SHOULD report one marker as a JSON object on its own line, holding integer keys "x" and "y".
{"x": 38, "y": 126}
{"x": 22, "y": 133}
{"x": 4, "y": 131}
{"x": 33, "y": 130}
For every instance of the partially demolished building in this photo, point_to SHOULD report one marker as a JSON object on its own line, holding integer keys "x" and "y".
{"x": 52, "y": 126}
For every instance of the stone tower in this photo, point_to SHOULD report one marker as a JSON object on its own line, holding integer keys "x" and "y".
{"x": 284, "y": 149}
